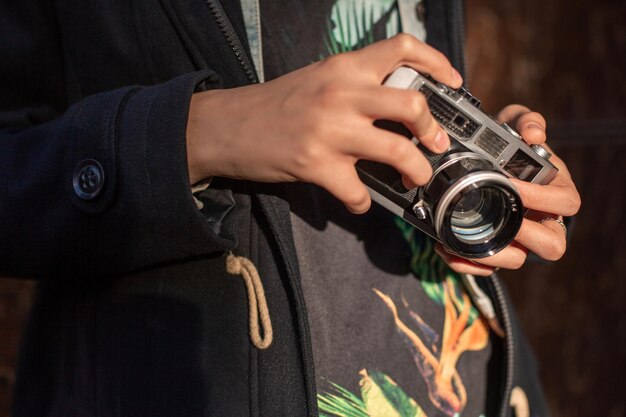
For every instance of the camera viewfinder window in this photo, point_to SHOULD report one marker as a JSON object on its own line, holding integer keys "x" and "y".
{"x": 522, "y": 166}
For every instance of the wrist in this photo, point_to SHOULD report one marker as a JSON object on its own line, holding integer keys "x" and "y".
{"x": 198, "y": 162}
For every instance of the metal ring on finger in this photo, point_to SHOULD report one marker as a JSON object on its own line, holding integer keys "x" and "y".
{"x": 557, "y": 220}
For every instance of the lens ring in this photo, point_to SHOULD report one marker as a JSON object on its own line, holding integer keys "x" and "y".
{"x": 478, "y": 243}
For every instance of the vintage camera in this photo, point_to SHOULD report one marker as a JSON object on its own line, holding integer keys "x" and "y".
{"x": 469, "y": 205}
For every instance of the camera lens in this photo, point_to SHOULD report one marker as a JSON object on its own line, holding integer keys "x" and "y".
{"x": 477, "y": 210}
{"x": 479, "y": 215}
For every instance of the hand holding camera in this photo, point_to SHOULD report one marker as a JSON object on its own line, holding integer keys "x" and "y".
{"x": 315, "y": 123}
{"x": 471, "y": 205}
{"x": 540, "y": 231}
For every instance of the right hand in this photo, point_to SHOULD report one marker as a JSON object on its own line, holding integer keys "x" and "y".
{"x": 315, "y": 123}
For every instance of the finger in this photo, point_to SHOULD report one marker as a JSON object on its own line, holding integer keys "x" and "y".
{"x": 548, "y": 239}
{"x": 511, "y": 113}
{"x": 343, "y": 182}
{"x": 408, "y": 107}
{"x": 403, "y": 49}
{"x": 530, "y": 125}
{"x": 461, "y": 265}
{"x": 389, "y": 148}
{"x": 557, "y": 162}
{"x": 511, "y": 257}
{"x": 559, "y": 197}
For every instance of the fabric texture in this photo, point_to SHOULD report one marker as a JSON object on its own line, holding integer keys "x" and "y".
{"x": 135, "y": 312}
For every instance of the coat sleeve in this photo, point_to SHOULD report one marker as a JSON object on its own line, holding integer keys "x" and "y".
{"x": 99, "y": 187}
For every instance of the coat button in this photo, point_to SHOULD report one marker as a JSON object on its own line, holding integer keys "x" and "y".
{"x": 88, "y": 179}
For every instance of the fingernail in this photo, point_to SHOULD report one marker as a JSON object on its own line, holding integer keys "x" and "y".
{"x": 456, "y": 77}
{"x": 534, "y": 126}
{"x": 442, "y": 142}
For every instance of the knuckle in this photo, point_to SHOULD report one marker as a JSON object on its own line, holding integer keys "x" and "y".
{"x": 307, "y": 155}
{"x": 398, "y": 151}
{"x": 404, "y": 43}
{"x": 330, "y": 94}
{"x": 357, "y": 199}
{"x": 416, "y": 103}
{"x": 338, "y": 63}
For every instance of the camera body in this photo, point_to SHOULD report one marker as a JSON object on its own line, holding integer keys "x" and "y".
{"x": 469, "y": 205}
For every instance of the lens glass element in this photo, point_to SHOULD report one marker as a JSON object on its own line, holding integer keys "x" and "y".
{"x": 478, "y": 215}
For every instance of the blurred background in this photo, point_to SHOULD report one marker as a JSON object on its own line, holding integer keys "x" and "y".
{"x": 569, "y": 63}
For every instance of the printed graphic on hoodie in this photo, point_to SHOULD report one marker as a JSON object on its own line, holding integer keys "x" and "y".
{"x": 430, "y": 357}
{"x": 354, "y": 24}
{"x": 435, "y": 354}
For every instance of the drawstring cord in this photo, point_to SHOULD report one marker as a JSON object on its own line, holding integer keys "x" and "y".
{"x": 519, "y": 402}
{"x": 257, "y": 303}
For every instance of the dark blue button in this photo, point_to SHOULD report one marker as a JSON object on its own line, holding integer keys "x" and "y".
{"x": 88, "y": 179}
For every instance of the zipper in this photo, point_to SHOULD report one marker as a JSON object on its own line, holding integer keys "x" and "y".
{"x": 458, "y": 35}
{"x": 509, "y": 343}
{"x": 271, "y": 211}
{"x": 233, "y": 40}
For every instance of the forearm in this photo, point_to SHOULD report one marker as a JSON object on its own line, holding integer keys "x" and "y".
{"x": 141, "y": 212}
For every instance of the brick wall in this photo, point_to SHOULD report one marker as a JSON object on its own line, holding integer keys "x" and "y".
{"x": 568, "y": 62}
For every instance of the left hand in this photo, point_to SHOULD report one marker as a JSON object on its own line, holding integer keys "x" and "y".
{"x": 554, "y": 200}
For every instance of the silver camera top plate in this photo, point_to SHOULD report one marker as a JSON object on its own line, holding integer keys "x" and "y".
{"x": 458, "y": 112}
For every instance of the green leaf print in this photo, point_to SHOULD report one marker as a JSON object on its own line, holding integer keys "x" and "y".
{"x": 342, "y": 404}
{"x": 381, "y": 397}
{"x": 352, "y": 24}
{"x": 431, "y": 270}
{"x": 405, "y": 405}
